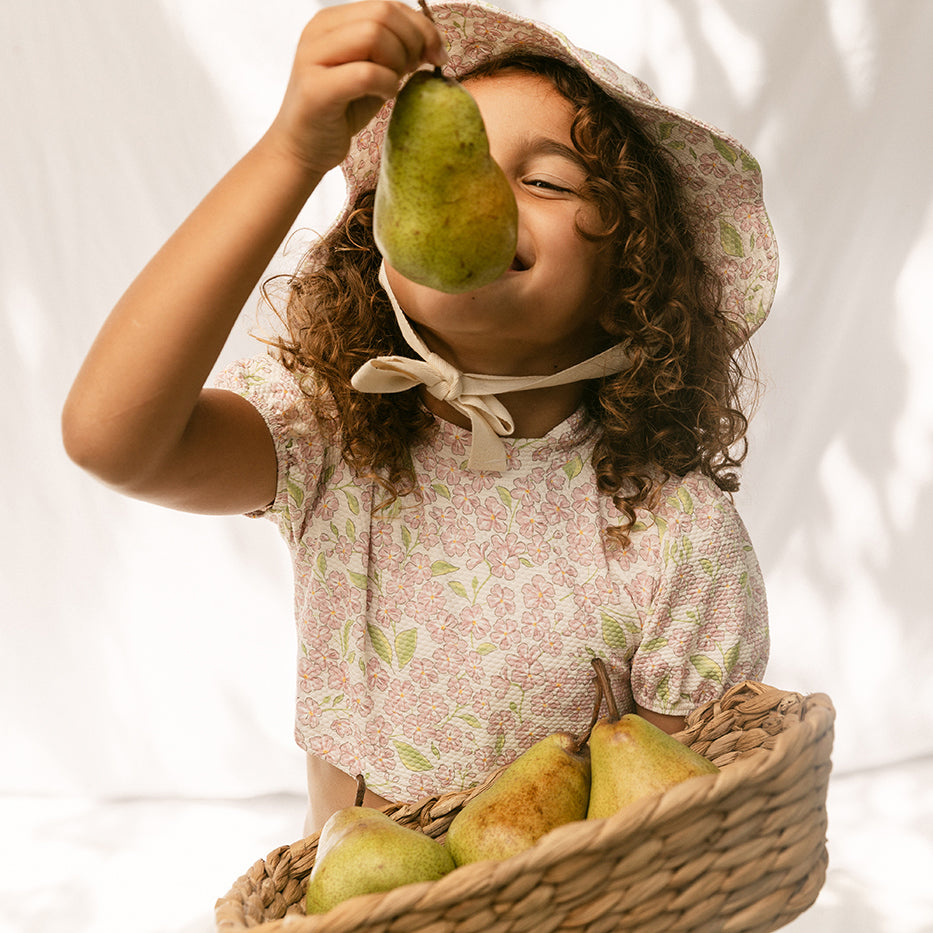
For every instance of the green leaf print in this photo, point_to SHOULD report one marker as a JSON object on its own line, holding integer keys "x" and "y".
{"x": 440, "y": 567}
{"x": 732, "y": 657}
{"x": 411, "y": 757}
{"x": 469, "y": 719}
{"x": 321, "y": 564}
{"x": 749, "y": 164}
{"x": 574, "y": 467}
{"x": 351, "y": 530}
{"x": 379, "y": 642}
{"x": 613, "y": 635}
{"x": 405, "y": 643}
{"x": 707, "y": 668}
{"x": 441, "y": 490}
{"x": 663, "y": 690}
{"x": 725, "y": 150}
{"x": 357, "y": 579}
{"x": 486, "y": 647}
{"x": 353, "y": 502}
{"x": 654, "y": 644}
{"x": 459, "y": 588}
{"x": 406, "y": 537}
{"x": 504, "y": 496}
{"x": 295, "y": 492}
{"x": 686, "y": 500}
{"x": 730, "y": 239}
{"x": 664, "y": 131}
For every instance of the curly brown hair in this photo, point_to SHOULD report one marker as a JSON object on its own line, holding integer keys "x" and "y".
{"x": 676, "y": 409}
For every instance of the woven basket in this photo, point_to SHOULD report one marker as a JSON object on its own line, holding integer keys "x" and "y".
{"x": 741, "y": 850}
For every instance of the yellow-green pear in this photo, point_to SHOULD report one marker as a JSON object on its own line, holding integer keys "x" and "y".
{"x": 543, "y": 788}
{"x": 632, "y": 758}
{"x": 363, "y": 851}
{"x": 445, "y": 215}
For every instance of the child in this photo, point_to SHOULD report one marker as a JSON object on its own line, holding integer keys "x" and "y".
{"x": 464, "y": 544}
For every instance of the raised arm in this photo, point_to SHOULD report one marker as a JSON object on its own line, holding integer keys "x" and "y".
{"x": 137, "y": 416}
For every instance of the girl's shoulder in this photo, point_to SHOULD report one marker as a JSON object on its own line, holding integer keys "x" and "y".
{"x": 694, "y": 503}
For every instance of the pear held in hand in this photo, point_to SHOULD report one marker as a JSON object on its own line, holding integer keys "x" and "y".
{"x": 363, "y": 851}
{"x": 543, "y": 788}
{"x": 445, "y": 215}
{"x": 632, "y": 758}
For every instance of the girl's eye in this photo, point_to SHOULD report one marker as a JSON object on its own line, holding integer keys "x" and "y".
{"x": 547, "y": 185}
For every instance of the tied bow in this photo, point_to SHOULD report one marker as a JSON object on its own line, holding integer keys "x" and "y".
{"x": 471, "y": 394}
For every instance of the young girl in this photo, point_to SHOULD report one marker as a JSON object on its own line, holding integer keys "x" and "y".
{"x": 480, "y": 492}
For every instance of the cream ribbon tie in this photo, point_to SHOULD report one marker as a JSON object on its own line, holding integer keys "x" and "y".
{"x": 472, "y": 394}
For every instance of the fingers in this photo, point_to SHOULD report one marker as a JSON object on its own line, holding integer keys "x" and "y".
{"x": 385, "y": 32}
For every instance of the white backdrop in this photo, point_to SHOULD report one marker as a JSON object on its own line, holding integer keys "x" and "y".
{"x": 151, "y": 653}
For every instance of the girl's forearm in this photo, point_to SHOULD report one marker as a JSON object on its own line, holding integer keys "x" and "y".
{"x": 139, "y": 385}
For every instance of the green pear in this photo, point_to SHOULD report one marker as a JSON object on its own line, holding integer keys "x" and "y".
{"x": 545, "y": 787}
{"x": 632, "y": 758}
{"x": 363, "y": 851}
{"x": 445, "y": 215}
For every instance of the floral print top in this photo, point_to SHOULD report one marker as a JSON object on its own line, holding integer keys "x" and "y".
{"x": 438, "y": 640}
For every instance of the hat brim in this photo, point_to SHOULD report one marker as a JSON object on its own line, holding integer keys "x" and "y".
{"x": 720, "y": 178}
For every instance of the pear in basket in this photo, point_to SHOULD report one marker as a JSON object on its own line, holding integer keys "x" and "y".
{"x": 363, "y": 851}
{"x": 543, "y": 788}
{"x": 632, "y": 758}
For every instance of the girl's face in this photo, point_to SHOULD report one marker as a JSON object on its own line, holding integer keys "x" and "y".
{"x": 540, "y": 316}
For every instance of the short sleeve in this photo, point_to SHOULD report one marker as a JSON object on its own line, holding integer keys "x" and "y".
{"x": 274, "y": 392}
{"x": 707, "y": 628}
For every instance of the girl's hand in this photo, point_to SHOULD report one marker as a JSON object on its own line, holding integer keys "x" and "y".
{"x": 349, "y": 61}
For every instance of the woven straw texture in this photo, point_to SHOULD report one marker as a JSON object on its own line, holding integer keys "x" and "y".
{"x": 742, "y": 850}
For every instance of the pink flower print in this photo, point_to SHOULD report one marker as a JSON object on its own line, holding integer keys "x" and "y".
{"x": 563, "y": 572}
{"x": 485, "y": 761}
{"x": 587, "y": 598}
{"x": 535, "y": 627}
{"x": 309, "y": 677}
{"x": 377, "y": 677}
{"x": 711, "y": 163}
{"x": 462, "y": 498}
{"x": 557, "y": 508}
{"x": 360, "y": 702}
{"x": 308, "y": 714}
{"x": 748, "y": 219}
{"x": 539, "y": 594}
{"x": 680, "y": 641}
{"x": 525, "y": 666}
{"x": 531, "y": 524}
{"x": 492, "y": 516}
{"x": 525, "y": 487}
{"x": 507, "y": 631}
{"x": 538, "y": 549}
{"x": 417, "y": 568}
{"x": 500, "y": 683}
{"x": 338, "y": 680}
{"x": 449, "y": 737}
{"x": 343, "y": 549}
{"x": 501, "y": 600}
{"x": 504, "y": 555}
{"x": 737, "y": 191}
{"x": 642, "y": 590}
{"x": 429, "y": 601}
{"x": 582, "y": 533}
{"x": 342, "y": 728}
{"x": 428, "y": 534}
{"x": 502, "y": 722}
{"x": 460, "y": 690}
{"x": 339, "y": 587}
{"x": 383, "y": 540}
{"x": 585, "y": 628}
{"x": 441, "y": 628}
{"x": 456, "y": 534}
{"x": 649, "y": 550}
{"x": 474, "y": 623}
{"x": 707, "y": 515}
{"x": 422, "y": 673}
{"x": 381, "y": 757}
{"x": 400, "y": 696}
{"x": 476, "y": 555}
{"x": 447, "y": 659}
{"x": 327, "y": 506}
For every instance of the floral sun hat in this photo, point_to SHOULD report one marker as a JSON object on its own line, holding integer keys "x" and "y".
{"x": 721, "y": 179}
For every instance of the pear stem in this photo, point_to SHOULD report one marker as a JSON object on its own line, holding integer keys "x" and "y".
{"x": 426, "y": 10}
{"x": 585, "y": 737}
{"x": 360, "y": 790}
{"x": 602, "y": 674}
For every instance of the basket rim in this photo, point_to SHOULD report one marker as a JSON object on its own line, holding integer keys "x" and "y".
{"x": 572, "y": 840}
